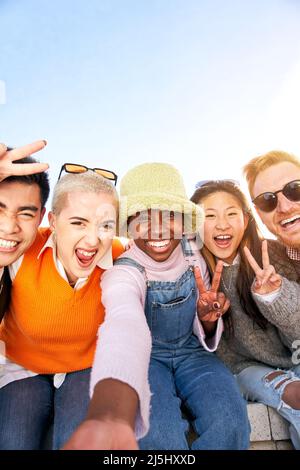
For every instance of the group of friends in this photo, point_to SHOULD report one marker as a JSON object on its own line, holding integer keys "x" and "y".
{"x": 106, "y": 345}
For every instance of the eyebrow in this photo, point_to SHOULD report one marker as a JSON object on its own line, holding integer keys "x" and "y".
{"x": 28, "y": 208}
{"x": 78, "y": 218}
{"x": 21, "y": 208}
{"x": 112, "y": 221}
{"x": 86, "y": 220}
{"x": 227, "y": 208}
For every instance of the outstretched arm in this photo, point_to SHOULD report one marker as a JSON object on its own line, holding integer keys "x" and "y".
{"x": 119, "y": 410}
{"x": 110, "y": 420}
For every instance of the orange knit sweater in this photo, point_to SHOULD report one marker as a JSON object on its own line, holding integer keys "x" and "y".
{"x": 49, "y": 326}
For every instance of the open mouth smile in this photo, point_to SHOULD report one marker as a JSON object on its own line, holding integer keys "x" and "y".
{"x": 290, "y": 222}
{"x": 85, "y": 257}
{"x": 223, "y": 241}
{"x": 8, "y": 245}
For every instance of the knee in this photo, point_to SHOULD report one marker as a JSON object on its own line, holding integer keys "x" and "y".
{"x": 291, "y": 395}
{"x": 287, "y": 386}
{"x": 171, "y": 439}
{"x": 233, "y": 423}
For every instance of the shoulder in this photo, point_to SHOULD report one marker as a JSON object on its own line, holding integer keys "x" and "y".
{"x": 117, "y": 248}
{"x": 276, "y": 248}
{"x": 43, "y": 234}
{"x": 280, "y": 260}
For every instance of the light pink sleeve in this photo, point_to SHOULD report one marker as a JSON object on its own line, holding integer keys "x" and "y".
{"x": 124, "y": 340}
{"x": 210, "y": 344}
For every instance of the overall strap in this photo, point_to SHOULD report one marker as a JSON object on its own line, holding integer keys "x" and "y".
{"x": 189, "y": 253}
{"x": 126, "y": 261}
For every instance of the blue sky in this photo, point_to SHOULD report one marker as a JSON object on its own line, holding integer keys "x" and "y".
{"x": 203, "y": 84}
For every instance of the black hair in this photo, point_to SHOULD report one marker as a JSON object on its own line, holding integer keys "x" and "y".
{"x": 41, "y": 179}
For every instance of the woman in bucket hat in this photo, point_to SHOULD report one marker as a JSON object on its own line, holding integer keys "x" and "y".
{"x": 154, "y": 287}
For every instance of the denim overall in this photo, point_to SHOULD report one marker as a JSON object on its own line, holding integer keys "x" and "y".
{"x": 182, "y": 372}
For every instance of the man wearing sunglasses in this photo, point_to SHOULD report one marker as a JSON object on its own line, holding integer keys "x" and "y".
{"x": 274, "y": 185}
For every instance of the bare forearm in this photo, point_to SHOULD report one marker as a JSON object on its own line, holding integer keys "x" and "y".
{"x": 114, "y": 400}
{"x": 209, "y": 328}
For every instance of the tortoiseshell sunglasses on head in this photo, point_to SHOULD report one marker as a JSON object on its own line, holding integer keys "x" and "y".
{"x": 75, "y": 168}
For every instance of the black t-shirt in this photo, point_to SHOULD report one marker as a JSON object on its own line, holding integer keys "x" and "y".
{"x": 5, "y": 288}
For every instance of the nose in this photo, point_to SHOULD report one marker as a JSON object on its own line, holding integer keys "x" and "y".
{"x": 160, "y": 227}
{"x": 9, "y": 224}
{"x": 222, "y": 223}
{"x": 285, "y": 205}
{"x": 92, "y": 236}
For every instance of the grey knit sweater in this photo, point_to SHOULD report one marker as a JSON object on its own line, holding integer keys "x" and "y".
{"x": 250, "y": 344}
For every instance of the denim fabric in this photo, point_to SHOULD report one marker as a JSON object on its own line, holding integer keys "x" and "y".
{"x": 28, "y": 407}
{"x": 255, "y": 387}
{"x": 182, "y": 372}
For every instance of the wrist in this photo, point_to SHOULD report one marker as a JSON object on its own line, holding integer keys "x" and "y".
{"x": 209, "y": 327}
{"x": 113, "y": 401}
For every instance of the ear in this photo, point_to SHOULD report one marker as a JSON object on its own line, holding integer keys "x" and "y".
{"x": 52, "y": 221}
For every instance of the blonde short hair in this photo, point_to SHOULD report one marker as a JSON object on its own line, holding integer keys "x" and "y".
{"x": 89, "y": 182}
{"x": 261, "y": 163}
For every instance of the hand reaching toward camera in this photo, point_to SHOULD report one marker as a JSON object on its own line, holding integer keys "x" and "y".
{"x": 94, "y": 434}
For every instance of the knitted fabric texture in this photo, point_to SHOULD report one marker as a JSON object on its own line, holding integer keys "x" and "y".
{"x": 157, "y": 186}
{"x": 251, "y": 345}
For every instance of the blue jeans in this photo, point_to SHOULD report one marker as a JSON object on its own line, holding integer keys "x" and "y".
{"x": 30, "y": 406}
{"x": 182, "y": 372}
{"x": 256, "y": 387}
{"x": 199, "y": 381}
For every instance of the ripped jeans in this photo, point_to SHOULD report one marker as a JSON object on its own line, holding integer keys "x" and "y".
{"x": 255, "y": 386}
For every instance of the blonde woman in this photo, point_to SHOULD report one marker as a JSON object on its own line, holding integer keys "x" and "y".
{"x": 50, "y": 328}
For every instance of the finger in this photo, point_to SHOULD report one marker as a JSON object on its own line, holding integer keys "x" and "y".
{"x": 29, "y": 168}
{"x": 265, "y": 254}
{"x": 256, "y": 284}
{"x": 217, "y": 277}
{"x": 256, "y": 268}
{"x": 221, "y": 298}
{"x": 199, "y": 281}
{"x": 27, "y": 150}
{"x": 267, "y": 273}
{"x": 226, "y": 306}
{"x": 3, "y": 149}
{"x": 206, "y": 317}
{"x": 276, "y": 279}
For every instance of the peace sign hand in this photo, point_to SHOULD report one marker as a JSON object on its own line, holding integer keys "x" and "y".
{"x": 7, "y": 158}
{"x": 211, "y": 303}
{"x": 266, "y": 278}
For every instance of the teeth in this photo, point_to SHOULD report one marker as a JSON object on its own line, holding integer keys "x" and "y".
{"x": 87, "y": 253}
{"x": 7, "y": 243}
{"x": 223, "y": 237}
{"x": 291, "y": 219}
{"x": 159, "y": 244}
